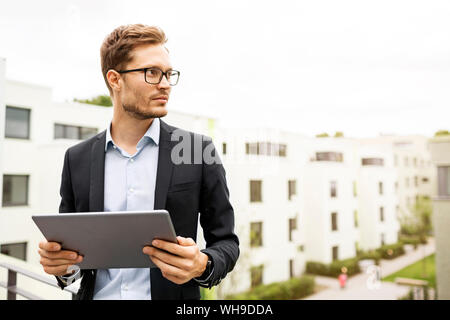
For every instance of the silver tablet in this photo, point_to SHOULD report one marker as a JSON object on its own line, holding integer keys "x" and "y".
{"x": 108, "y": 239}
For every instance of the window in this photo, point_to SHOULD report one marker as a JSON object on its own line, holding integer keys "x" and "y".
{"x": 329, "y": 156}
{"x": 224, "y": 148}
{"x": 17, "y": 123}
{"x": 291, "y": 268}
{"x": 407, "y": 182}
{"x": 256, "y": 234}
{"x": 63, "y": 131}
{"x": 333, "y": 191}
{"x": 355, "y": 189}
{"x": 355, "y": 218}
{"x": 15, "y": 190}
{"x": 292, "y": 188}
{"x": 372, "y": 162}
{"x": 425, "y": 180}
{"x": 416, "y": 181}
{"x": 255, "y": 191}
{"x": 335, "y": 253}
{"x": 292, "y": 227}
{"x": 382, "y": 236}
{"x": 380, "y": 187}
{"x": 16, "y": 250}
{"x": 444, "y": 181}
{"x": 256, "y": 274}
{"x": 396, "y": 160}
{"x": 396, "y": 186}
{"x": 406, "y": 161}
{"x": 381, "y": 214}
{"x": 265, "y": 148}
{"x": 334, "y": 225}
{"x": 282, "y": 150}
{"x": 415, "y": 162}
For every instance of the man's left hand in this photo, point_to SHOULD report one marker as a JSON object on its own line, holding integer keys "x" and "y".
{"x": 180, "y": 262}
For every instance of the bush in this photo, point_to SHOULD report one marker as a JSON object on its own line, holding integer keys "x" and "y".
{"x": 410, "y": 240}
{"x": 294, "y": 288}
{"x": 370, "y": 255}
{"x": 391, "y": 251}
{"x": 414, "y": 240}
{"x": 333, "y": 269}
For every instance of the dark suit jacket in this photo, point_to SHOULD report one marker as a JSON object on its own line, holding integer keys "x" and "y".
{"x": 184, "y": 190}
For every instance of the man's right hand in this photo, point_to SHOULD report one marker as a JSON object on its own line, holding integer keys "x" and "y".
{"x": 56, "y": 261}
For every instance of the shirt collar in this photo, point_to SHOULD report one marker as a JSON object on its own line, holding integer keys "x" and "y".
{"x": 152, "y": 133}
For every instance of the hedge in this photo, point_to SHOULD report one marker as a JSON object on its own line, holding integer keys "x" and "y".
{"x": 370, "y": 255}
{"x": 333, "y": 269}
{"x": 391, "y": 251}
{"x": 414, "y": 240}
{"x": 294, "y": 288}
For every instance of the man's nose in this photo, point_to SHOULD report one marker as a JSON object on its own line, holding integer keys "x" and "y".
{"x": 164, "y": 83}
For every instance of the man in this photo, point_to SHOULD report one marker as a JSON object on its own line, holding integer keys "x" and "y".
{"x": 130, "y": 166}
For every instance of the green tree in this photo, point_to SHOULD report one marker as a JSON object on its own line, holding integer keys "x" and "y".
{"x": 322, "y": 135}
{"x": 339, "y": 134}
{"x": 101, "y": 100}
{"x": 420, "y": 222}
{"x": 442, "y": 133}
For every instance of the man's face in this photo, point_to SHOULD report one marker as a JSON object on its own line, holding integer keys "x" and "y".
{"x": 139, "y": 98}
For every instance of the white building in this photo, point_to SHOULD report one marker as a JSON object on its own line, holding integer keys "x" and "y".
{"x": 329, "y": 200}
{"x": 416, "y": 174}
{"x": 263, "y": 172}
{"x": 377, "y": 197}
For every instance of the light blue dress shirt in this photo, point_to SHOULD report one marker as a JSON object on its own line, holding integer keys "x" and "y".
{"x": 129, "y": 185}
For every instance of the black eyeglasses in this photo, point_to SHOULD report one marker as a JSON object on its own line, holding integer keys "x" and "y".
{"x": 154, "y": 75}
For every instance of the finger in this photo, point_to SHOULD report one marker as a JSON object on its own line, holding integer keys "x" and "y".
{"x": 62, "y": 254}
{"x": 57, "y": 270}
{"x": 167, "y": 269}
{"x": 185, "y": 241}
{"x": 49, "y": 246}
{"x": 171, "y": 259}
{"x": 59, "y": 262}
{"x": 169, "y": 247}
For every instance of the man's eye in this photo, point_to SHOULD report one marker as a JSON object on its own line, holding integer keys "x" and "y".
{"x": 153, "y": 72}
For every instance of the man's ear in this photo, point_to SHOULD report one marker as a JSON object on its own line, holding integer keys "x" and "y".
{"x": 113, "y": 78}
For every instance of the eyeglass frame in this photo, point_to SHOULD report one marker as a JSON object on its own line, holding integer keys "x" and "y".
{"x": 163, "y": 74}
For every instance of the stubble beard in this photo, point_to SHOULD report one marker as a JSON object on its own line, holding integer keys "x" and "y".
{"x": 138, "y": 113}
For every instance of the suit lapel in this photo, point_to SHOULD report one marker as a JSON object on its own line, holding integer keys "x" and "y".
{"x": 97, "y": 179}
{"x": 165, "y": 166}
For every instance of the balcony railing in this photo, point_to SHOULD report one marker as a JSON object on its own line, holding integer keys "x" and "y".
{"x": 11, "y": 284}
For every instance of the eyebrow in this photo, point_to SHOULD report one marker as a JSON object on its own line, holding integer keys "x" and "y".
{"x": 159, "y": 67}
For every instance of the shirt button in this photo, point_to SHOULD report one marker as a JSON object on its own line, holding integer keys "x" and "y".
{"x": 131, "y": 160}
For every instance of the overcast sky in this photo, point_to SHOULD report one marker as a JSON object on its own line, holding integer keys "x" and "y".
{"x": 361, "y": 67}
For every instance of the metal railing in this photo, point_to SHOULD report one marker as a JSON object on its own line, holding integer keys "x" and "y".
{"x": 13, "y": 290}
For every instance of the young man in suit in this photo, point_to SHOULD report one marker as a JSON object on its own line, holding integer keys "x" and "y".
{"x": 132, "y": 166}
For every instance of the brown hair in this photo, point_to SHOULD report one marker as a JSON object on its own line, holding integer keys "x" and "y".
{"x": 115, "y": 51}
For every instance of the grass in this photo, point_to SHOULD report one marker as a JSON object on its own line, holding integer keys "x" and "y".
{"x": 415, "y": 271}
